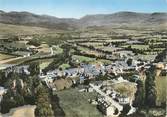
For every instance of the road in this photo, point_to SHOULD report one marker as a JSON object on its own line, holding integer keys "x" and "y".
{"x": 9, "y": 60}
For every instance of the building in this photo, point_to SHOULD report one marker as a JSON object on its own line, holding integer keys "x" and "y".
{"x": 2, "y": 92}
{"x": 105, "y": 107}
{"x": 123, "y": 99}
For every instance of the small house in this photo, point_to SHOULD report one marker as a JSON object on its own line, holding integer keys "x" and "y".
{"x": 2, "y": 92}
{"x": 123, "y": 99}
{"x": 105, "y": 107}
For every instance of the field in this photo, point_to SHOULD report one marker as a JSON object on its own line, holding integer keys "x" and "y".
{"x": 5, "y": 56}
{"x": 83, "y": 58}
{"x": 22, "y": 111}
{"x": 161, "y": 82}
{"x": 104, "y": 61}
{"x": 44, "y": 63}
{"x": 140, "y": 46}
{"x": 83, "y": 49}
{"x": 57, "y": 50}
{"x": 64, "y": 66}
{"x": 75, "y": 103}
{"x": 8, "y": 29}
{"x": 104, "y": 48}
{"x": 17, "y": 60}
{"x": 146, "y": 57}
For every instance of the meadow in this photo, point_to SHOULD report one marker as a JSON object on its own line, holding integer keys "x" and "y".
{"x": 78, "y": 101}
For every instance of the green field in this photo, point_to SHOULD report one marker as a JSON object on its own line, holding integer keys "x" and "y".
{"x": 64, "y": 66}
{"x": 140, "y": 46}
{"x": 83, "y": 49}
{"x": 83, "y": 58}
{"x": 93, "y": 44}
{"x": 104, "y": 61}
{"x": 104, "y": 48}
{"x": 145, "y": 57}
{"x": 57, "y": 50}
{"x": 44, "y": 63}
{"x": 75, "y": 103}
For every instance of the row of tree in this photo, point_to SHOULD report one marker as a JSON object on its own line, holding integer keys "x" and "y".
{"x": 146, "y": 90}
{"x": 24, "y": 89}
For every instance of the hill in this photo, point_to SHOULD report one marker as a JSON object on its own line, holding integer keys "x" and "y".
{"x": 125, "y": 18}
{"x": 29, "y": 19}
{"x": 129, "y": 19}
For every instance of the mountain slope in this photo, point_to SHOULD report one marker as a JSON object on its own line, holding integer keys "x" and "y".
{"x": 116, "y": 19}
{"x": 26, "y": 18}
{"x": 124, "y": 18}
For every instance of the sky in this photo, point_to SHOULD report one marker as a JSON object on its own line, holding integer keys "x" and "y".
{"x": 80, "y": 8}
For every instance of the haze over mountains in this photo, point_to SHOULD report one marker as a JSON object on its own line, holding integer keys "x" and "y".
{"x": 115, "y": 19}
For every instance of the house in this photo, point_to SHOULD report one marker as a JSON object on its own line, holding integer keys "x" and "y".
{"x": 27, "y": 38}
{"x": 2, "y": 92}
{"x": 135, "y": 63}
{"x": 90, "y": 89}
{"x": 22, "y": 69}
{"x": 81, "y": 79}
{"x": 123, "y": 99}
{"x": 17, "y": 69}
{"x": 105, "y": 107}
{"x": 92, "y": 70}
{"x": 113, "y": 69}
{"x": 165, "y": 68}
{"x": 55, "y": 73}
{"x": 73, "y": 72}
{"x": 31, "y": 47}
{"x": 113, "y": 94}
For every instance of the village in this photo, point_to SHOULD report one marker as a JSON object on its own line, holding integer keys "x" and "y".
{"x": 111, "y": 65}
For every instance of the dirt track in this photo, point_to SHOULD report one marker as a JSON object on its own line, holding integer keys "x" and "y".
{"x": 10, "y": 60}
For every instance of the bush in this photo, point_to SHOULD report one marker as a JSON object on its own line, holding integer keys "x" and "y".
{"x": 34, "y": 42}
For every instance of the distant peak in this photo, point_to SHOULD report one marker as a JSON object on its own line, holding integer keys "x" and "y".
{"x": 158, "y": 13}
{"x": 2, "y": 11}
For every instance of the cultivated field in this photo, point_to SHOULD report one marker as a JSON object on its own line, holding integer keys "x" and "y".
{"x": 6, "y": 56}
{"x": 72, "y": 102}
{"x": 161, "y": 82}
{"x": 8, "y": 29}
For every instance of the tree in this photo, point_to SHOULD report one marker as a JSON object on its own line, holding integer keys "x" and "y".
{"x": 34, "y": 68}
{"x": 129, "y": 61}
{"x": 10, "y": 80}
{"x": 126, "y": 109}
{"x": 2, "y": 78}
{"x": 139, "y": 95}
{"x": 10, "y": 100}
{"x": 102, "y": 77}
{"x": 34, "y": 42}
{"x": 161, "y": 56}
{"x": 43, "y": 102}
{"x": 19, "y": 99}
{"x": 150, "y": 88}
{"x": 7, "y": 103}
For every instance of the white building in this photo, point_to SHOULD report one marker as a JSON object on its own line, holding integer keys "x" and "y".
{"x": 2, "y": 92}
{"x": 105, "y": 107}
{"x": 123, "y": 100}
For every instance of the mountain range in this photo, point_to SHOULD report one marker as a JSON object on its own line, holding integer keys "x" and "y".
{"x": 115, "y": 19}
